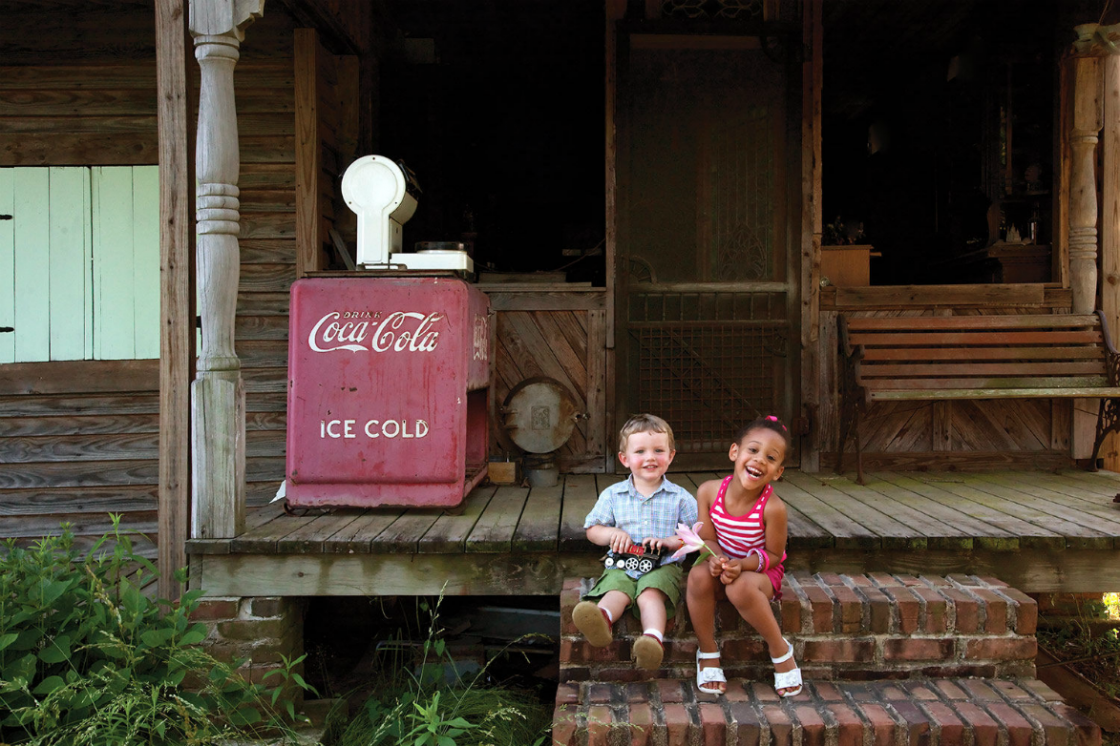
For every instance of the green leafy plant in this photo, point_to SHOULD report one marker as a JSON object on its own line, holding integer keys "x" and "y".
{"x": 87, "y": 659}
{"x": 417, "y": 707}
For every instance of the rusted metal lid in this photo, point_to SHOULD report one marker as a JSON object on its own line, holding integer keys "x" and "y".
{"x": 539, "y": 414}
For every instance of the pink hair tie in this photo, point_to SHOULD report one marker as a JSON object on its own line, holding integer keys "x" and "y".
{"x": 772, "y": 418}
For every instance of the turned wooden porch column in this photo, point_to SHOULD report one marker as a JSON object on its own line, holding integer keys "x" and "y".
{"x": 1085, "y": 123}
{"x": 217, "y": 393}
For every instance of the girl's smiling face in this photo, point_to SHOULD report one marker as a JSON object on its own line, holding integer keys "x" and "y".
{"x": 758, "y": 458}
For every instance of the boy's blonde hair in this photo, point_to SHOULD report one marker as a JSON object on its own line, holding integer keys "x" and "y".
{"x": 644, "y": 423}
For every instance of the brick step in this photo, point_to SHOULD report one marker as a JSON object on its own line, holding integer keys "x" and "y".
{"x": 943, "y": 712}
{"x": 855, "y": 627}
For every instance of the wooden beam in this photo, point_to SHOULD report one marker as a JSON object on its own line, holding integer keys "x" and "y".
{"x": 308, "y": 151}
{"x": 336, "y": 35}
{"x": 811, "y": 226}
{"x": 1065, "y": 571}
{"x": 176, "y": 327}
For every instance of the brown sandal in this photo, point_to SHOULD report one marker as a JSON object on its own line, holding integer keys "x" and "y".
{"x": 648, "y": 652}
{"x": 592, "y": 622}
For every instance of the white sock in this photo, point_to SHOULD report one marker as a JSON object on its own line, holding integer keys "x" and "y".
{"x": 607, "y": 611}
{"x": 655, "y": 634}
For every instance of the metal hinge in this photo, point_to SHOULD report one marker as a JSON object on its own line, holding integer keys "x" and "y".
{"x": 5, "y": 217}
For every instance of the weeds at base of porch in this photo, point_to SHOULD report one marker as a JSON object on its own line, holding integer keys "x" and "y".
{"x": 1088, "y": 642}
{"x": 437, "y": 686}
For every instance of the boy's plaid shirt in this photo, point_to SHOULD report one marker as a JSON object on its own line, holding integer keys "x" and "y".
{"x": 653, "y": 517}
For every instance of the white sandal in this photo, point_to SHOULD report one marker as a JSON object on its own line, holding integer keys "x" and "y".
{"x": 709, "y": 674}
{"x": 790, "y": 680}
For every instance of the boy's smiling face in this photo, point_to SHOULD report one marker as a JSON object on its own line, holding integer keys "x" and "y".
{"x": 758, "y": 458}
{"x": 647, "y": 456}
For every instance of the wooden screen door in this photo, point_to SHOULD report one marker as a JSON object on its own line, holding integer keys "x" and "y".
{"x": 707, "y": 273}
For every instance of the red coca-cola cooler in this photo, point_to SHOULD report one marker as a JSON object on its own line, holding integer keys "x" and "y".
{"x": 387, "y": 391}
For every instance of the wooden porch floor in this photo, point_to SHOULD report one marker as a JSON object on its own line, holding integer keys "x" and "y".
{"x": 1039, "y": 531}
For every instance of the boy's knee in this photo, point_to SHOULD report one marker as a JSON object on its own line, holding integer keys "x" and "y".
{"x": 652, "y": 594}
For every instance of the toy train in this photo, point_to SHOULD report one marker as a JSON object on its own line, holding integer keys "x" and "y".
{"x": 638, "y": 558}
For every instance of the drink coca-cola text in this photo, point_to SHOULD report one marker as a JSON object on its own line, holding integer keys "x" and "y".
{"x": 401, "y": 331}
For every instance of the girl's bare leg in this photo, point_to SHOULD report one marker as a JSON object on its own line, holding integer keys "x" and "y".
{"x": 751, "y": 593}
{"x": 701, "y": 597}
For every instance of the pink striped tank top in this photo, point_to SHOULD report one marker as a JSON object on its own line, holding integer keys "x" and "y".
{"x": 738, "y": 534}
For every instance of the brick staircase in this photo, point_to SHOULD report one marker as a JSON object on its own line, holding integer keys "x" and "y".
{"x": 887, "y": 659}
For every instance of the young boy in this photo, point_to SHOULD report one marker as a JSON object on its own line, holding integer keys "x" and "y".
{"x": 644, "y": 511}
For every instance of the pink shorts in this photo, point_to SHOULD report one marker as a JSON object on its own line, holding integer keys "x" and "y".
{"x": 776, "y": 573}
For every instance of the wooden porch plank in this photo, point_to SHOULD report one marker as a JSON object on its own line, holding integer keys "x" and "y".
{"x": 494, "y": 530}
{"x": 254, "y": 518}
{"x": 1099, "y": 510}
{"x": 893, "y": 534}
{"x": 263, "y": 538}
{"x": 848, "y": 534}
{"x": 1100, "y": 521}
{"x": 1041, "y": 532}
{"x": 889, "y": 499}
{"x": 982, "y": 506}
{"x": 357, "y": 536}
{"x": 1076, "y": 493}
{"x": 309, "y": 539}
{"x": 402, "y": 536}
{"x": 538, "y": 529}
{"x": 944, "y": 506}
{"x": 1099, "y": 482}
{"x": 579, "y": 497}
{"x": 450, "y": 530}
{"x": 1072, "y": 524}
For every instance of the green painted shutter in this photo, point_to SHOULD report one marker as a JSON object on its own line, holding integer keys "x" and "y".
{"x": 71, "y": 296}
{"x": 125, "y": 262}
{"x": 79, "y": 263}
{"x": 7, "y": 265}
{"x": 32, "y": 265}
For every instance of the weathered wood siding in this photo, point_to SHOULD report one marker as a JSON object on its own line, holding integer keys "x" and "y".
{"x": 78, "y": 87}
{"x": 961, "y": 434}
{"x": 78, "y": 439}
{"x": 265, "y": 89}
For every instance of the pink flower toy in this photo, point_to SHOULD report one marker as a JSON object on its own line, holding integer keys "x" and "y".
{"x": 692, "y": 542}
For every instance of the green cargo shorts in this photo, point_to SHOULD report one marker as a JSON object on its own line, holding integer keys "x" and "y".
{"x": 666, "y": 579}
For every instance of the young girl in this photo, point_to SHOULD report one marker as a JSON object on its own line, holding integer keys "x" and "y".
{"x": 745, "y": 527}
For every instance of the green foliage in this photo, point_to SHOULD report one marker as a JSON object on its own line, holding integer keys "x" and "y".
{"x": 416, "y": 707}
{"x": 1087, "y": 640}
{"x": 86, "y": 659}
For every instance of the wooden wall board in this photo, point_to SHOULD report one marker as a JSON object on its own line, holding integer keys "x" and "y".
{"x": 76, "y": 377}
{"x": 58, "y": 500}
{"x": 91, "y": 404}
